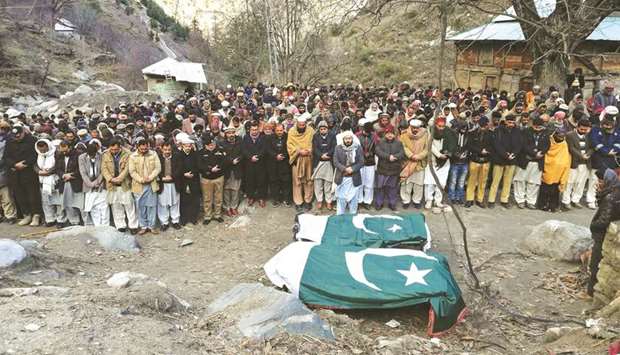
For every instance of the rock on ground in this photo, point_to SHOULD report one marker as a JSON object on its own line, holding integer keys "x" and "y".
{"x": 262, "y": 312}
{"x": 11, "y": 253}
{"x": 107, "y": 237}
{"x": 559, "y": 240}
{"x": 241, "y": 222}
{"x": 123, "y": 279}
{"x": 83, "y": 89}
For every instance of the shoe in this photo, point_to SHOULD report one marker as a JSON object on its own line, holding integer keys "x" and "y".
{"x": 143, "y": 231}
{"x": 122, "y": 230}
{"x": 530, "y": 206}
{"x": 164, "y": 227}
{"x": 133, "y": 231}
{"x": 50, "y": 224}
{"x": 378, "y": 208}
{"x": 154, "y": 231}
{"x": 436, "y": 210}
{"x": 577, "y": 206}
{"x": 275, "y": 203}
{"x": 218, "y": 219}
{"x": 286, "y": 204}
{"x": 329, "y": 206}
{"x": 393, "y": 208}
{"x": 11, "y": 220}
{"x": 506, "y": 205}
{"x": 228, "y": 212}
{"x": 592, "y": 205}
{"x": 25, "y": 221}
{"x": 521, "y": 205}
{"x": 308, "y": 206}
{"x": 491, "y": 205}
{"x": 250, "y": 202}
{"x": 176, "y": 226}
{"x": 36, "y": 221}
{"x": 261, "y": 203}
{"x": 468, "y": 204}
{"x": 366, "y": 206}
{"x": 417, "y": 205}
{"x": 299, "y": 208}
{"x": 405, "y": 206}
{"x": 206, "y": 221}
{"x": 565, "y": 207}
{"x": 480, "y": 204}
{"x": 235, "y": 211}
{"x": 319, "y": 206}
{"x": 428, "y": 205}
{"x": 61, "y": 225}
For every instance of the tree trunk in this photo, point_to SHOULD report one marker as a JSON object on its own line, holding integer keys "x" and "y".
{"x": 552, "y": 71}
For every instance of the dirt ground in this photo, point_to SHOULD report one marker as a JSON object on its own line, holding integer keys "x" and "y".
{"x": 95, "y": 319}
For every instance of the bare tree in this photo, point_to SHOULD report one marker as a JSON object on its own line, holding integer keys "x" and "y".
{"x": 56, "y": 7}
{"x": 553, "y": 39}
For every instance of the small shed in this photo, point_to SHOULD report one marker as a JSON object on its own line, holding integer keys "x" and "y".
{"x": 494, "y": 55}
{"x": 65, "y": 28}
{"x": 170, "y": 77}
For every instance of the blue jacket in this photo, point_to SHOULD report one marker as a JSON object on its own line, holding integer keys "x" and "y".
{"x": 603, "y": 143}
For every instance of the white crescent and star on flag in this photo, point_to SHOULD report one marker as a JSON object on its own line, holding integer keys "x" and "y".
{"x": 355, "y": 265}
{"x": 358, "y": 222}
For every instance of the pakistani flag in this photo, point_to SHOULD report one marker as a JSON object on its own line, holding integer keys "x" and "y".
{"x": 369, "y": 278}
{"x": 364, "y": 230}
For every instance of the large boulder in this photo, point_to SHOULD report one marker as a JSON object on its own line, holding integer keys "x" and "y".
{"x": 11, "y": 253}
{"x": 83, "y": 89}
{"x": 262, "y": 312}
{"x": 559, "y": 240}
{"x": 107, "y": 237}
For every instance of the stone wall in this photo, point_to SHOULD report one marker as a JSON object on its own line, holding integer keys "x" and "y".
{"x": 608, "y": 286}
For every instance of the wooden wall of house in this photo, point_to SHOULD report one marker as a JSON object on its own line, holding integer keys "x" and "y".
{"x": 507, "y": 65}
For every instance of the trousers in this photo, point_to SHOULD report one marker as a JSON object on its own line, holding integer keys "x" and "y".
{"x": 168, "y": 214}
{"x": 323, "y": 190}
{"x": 503, "y": 174}
{"x": 367, "y": 189}
{"x": 412, "y": 189}
{"x": 212, "y": 196}
{"x": 120, "y": 211}
{"x": 456, "y": 182}
{"x": 7, "y": 203}
{"x": 477, "y": 181}
{"x": 576, "y": 184}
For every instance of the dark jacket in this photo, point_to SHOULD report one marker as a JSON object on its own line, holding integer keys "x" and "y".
{"x": 383, "y": 150}
{"x": 461, "y": 152}
{"x": 187, "y": 163}
{"x": 574, "y": 147}
{"x": 533, "y": 142}
{"x": 71, "y": 167}
{"x": 368, "y": 143}
{"x": 322, "y": 146}
{"x": 505, "y": 142}
{"x": 250, "y": 148}
{"x": 479, "y": 140}
{"x": 233, "y": 151}
{"x": 17, "y": 151}
{"x": 608, "y": 210}
{"x": 277, "y": 145}
{"x": 340, "y": 159}
{"x": 208, "y": 159}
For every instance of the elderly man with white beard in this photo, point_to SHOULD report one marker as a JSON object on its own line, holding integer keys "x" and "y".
{"x": 348, "y": 161}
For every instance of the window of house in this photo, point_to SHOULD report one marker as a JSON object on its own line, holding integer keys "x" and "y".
{"x": 485, "y": 56}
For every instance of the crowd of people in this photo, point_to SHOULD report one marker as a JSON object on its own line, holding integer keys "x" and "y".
{"x": 156, "y": 165}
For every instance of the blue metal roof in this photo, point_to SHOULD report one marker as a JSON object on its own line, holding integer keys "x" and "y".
{"x": 505, "y": 28}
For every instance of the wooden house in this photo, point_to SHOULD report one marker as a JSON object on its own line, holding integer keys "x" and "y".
{"x": 494, "y": 55}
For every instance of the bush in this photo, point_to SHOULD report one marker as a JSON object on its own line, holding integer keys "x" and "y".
{"x": 386, "y": 70}
{"x": 129, "y": 11}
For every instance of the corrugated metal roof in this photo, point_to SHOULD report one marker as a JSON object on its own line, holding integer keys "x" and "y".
{"x": 503, "y": 29}
{"x": 181, "y": 71}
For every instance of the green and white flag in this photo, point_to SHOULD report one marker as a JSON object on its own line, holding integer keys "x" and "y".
{"x": 364, "y": 230}
{"x": 369, "y": 278}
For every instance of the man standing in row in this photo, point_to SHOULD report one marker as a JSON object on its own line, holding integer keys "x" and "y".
{"x": 415, "y": 143}
{"x": 144, "y": 168}
{"x": 323, "y": 145}
{"x": 348, "y": 160}
{"x": 115, "y": 171}
{"x": 299, "y": 146}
